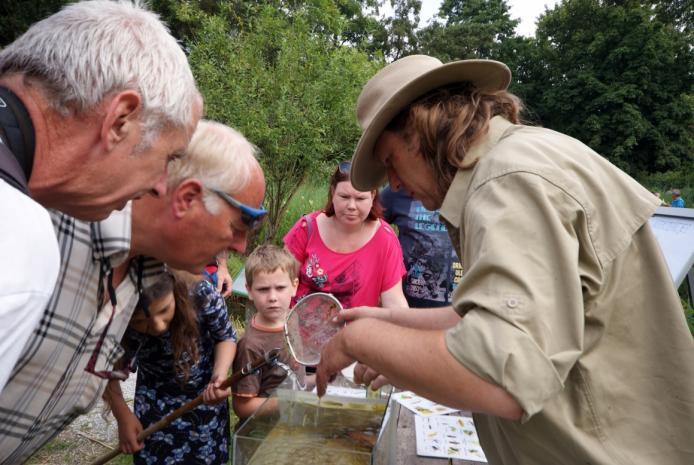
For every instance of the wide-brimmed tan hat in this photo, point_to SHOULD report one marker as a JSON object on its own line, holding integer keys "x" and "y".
{"x": 399, "y": 84}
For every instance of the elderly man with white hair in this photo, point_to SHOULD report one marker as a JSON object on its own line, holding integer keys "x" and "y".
{"x": 94, "y": 101}
{"x": 212, "y": 201}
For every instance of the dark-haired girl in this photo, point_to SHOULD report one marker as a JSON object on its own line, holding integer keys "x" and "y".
{"x": 182, "y": 345}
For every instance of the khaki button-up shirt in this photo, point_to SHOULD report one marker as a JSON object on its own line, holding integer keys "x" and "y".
{"x": 567, "y": 304}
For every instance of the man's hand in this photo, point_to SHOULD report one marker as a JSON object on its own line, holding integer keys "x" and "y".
{"x": 128, "y": 429}
{"x": 333, "y": 359}
{"x": 224, "y": 280}
{"x": 212, "y": 393}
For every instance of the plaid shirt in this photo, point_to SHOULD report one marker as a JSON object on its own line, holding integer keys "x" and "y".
{"x": 49, "y": 386}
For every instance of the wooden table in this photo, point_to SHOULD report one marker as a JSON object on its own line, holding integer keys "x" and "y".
{"x": 407, "y": 442}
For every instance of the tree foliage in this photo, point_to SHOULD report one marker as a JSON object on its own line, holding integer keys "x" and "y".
{"x": 469, "y": 29}
{"x": 17, "y": 15}
{"x": 291, "y": 91}
{"x": 617, "y": 74}
{"x": 617, "y": 77}
{"x": 363, "y": 28}
{"x": 401, "y": 29}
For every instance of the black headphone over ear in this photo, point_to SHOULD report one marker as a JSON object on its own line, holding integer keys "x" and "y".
{"x": 17, "y": 130}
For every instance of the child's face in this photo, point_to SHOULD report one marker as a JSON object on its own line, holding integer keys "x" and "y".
{"x": 271, "y": 293}
{"x": 161, "y": 313}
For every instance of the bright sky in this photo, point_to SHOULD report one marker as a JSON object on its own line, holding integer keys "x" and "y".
{"x": 526, "y": 10}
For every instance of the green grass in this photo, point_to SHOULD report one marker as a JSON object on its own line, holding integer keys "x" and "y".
{"x": 311, "y": 196}
{"x": 54, "y": 446}
{"x": 665, "y": 182}
{"x": 689, "y": 313}
{"x": 234, "y": 264}
{"x": 123, "y": 459}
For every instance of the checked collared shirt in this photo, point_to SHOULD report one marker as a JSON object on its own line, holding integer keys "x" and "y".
{"x": 49, "y": 387}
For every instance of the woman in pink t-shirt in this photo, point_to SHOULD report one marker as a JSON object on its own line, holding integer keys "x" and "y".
{"x": 348, "y": 250}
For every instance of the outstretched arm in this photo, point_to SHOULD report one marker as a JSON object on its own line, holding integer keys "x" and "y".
{"x": 430, "y": 371}
{"x": 421, "y": 318}
{"x": 224, "y": 352}
{"x": 128, "y": 424}
{"x": 394, "y": 297}
{"x": 244, "y": 407}
{"x": 224, "y": 280}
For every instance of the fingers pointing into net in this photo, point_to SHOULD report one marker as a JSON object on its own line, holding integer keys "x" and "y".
{"x": 333, "y": 359}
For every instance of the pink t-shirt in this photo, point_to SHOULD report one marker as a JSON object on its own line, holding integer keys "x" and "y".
{"x": 356, "y": 278}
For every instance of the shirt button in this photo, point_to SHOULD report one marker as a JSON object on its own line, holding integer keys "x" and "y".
{"x": 511, "y": 303}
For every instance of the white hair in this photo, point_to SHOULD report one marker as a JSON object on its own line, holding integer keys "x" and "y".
{"x": 218, "y": 156}
{"x": 90, "y": 49}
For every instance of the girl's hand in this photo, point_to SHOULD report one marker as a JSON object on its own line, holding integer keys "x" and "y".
{"x": 224, "y": 280}
{"x": 212, "y": 393}
{"x": 354, "y": 313}
{"x": 128, "y": 429}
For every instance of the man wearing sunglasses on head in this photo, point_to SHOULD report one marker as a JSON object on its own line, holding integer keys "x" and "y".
{"x": 217, "y": 272}
{"x": 212, "y": 201}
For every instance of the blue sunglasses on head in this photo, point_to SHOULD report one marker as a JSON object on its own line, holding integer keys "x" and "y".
{"x": 344, "y": 167}
{"x": 251, "y": 217}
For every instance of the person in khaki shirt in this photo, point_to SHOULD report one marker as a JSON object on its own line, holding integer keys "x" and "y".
{"x": 566, "y": 337}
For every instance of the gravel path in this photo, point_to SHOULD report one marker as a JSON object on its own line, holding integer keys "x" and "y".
{"x": 87, "y": 438}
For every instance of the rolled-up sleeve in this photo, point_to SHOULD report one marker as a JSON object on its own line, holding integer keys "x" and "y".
{"x": 526, "y": 246}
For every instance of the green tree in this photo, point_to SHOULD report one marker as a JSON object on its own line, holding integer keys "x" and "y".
{"x": 185, "y": 17}
{"x": 363, "y": 28}
{"x": 401, "y": 29}
{"x": 18, "y": 15}
{"x": 291, "y": 91}
{"x": 619, "y": 78}
{"x": 677, "y": 12}
{"x": 469, "y": 29}
{"x": 346, "y": 21}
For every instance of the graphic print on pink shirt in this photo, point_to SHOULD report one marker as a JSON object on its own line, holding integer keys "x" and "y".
{"x": 355, "y": 278}
{"x": 315, "y": 272}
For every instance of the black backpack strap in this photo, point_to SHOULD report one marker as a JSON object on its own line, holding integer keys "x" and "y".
{"x": 17, "y": 130}
{"x": 17, "y": 141}
{"x": 11, "y": 171}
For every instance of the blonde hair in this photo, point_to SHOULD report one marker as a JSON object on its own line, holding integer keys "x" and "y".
{"x": 220, "y": 158}
{"x": 268, "y": 258}
{"x": 90, "y": 49}
{"x": 447, "y": 121}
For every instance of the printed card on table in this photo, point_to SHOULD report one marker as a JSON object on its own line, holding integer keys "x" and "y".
{"x": 420, "y": 405}
{"x": 344, "y": 391}
{"x": 448, "y": 437}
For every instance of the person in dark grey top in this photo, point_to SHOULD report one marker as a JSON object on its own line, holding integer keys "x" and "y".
{"x": 433, "y": 268}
